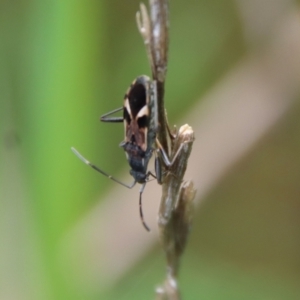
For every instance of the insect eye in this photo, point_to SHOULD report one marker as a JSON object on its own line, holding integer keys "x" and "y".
{"x": 142, "y": 122}
{"x": 127, "y": 116}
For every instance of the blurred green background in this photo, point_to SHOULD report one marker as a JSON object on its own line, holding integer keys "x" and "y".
{"x": 65, "y": 63}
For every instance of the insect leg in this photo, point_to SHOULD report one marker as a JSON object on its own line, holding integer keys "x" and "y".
{"x": 171, "y": 134}
{"x": 154, "y": 112}
{"x": 100, "y": 171}
{"x": 106, "y": 118}
{"x": 164, "y": 155}
{"x": 154, "y": 107}
{"x": 141, "y": 209}
{"x": 158, "y": 170}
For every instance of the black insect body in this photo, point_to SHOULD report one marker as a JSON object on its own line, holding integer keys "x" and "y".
{"x": 140, "y": 125}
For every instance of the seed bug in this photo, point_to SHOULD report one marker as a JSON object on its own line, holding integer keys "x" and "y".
{"x": 140, "y": 124}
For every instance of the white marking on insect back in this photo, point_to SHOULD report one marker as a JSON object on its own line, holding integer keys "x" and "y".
{"x": 127, "y": 106}
{"x": 145, "y": 144}
{"x": 144, "y": 111}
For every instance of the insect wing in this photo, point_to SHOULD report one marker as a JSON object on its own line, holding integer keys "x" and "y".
{"x": 137, "y": 113}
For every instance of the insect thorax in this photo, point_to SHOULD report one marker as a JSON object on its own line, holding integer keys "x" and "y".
{"x": 138, "y": 161}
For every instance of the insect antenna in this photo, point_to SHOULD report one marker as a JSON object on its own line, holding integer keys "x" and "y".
{"x": 100, "y": 171}
{"x": 141, "y": 209}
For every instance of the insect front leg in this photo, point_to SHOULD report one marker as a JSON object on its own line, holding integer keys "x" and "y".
{"x": 158, "y": 169}
{"x": 165, "y": 156}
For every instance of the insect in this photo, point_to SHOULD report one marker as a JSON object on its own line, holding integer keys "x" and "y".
{"x": 140, "y": 124}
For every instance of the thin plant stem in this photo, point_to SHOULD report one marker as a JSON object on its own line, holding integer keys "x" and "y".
{"x": 175, "y": 211}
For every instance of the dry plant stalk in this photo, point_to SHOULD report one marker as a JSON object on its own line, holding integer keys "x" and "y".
{"x": 174, "y": 218}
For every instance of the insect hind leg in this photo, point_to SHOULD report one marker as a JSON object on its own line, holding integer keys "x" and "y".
{"x": 149, "y": 173}
{"x": 129, "y": 186}
{"x": 141, "y": 208}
